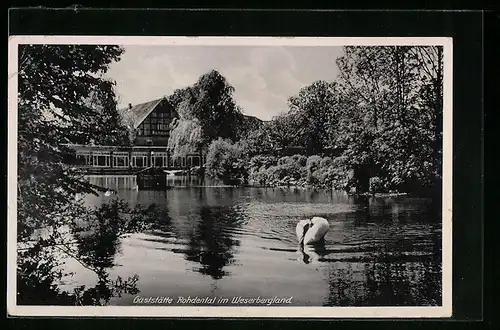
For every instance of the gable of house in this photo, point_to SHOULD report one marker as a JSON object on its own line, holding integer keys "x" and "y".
{"x": 136, "y": 114}
{"x": 150, "y": 121}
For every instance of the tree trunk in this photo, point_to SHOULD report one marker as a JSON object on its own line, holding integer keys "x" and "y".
{"x": 362, "y": 178}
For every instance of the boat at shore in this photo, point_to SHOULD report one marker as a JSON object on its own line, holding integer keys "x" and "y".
{"x": 175, "y": 172}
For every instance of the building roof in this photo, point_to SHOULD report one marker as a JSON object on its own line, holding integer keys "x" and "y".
{"x": 249, "y": 117}
{"x": 137, "y": 113}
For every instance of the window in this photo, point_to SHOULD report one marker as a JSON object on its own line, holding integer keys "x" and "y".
{"x": 121, "y": 159}
{"x": 196, "y": 160}
{"x": 139, "y": 159}
{"x": 160, "y": 159}
{"x": 83, "y": 158}
{"x": 101, "y": 159}
{"x": 158, "y": 125}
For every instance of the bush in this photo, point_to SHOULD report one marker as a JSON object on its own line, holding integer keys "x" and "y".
{"x": 376, "y": 185}
{"x": 300, "y": 160}
{"x": 258, "y": 166}
{"x": 340, "y": 161}
{"x": 285, "y": 168}
{"x": 258, "y": 176}
{"x": 226, "y": 162}
{"x": 285, "y": 161}
{"x": 257, "y": 162}
{"x": 314, "y": 171}
{"x": 313, "y": 161}
{"x": 325, "y": 162}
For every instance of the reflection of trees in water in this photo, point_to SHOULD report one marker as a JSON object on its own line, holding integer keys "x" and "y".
{"x": 386, "y": 280}
{"x": 98, "y": 241}
{"x": 344, "y": 285}
{"x": 211, "y": 243}
{"x": 93, "y": 241}
{"x": 395, "y": 212}
{"x": 385, "y": 284}
{"x": 404, "y": 209}
{"x": 404, "y": 265}
{"x": 401, "y": 283}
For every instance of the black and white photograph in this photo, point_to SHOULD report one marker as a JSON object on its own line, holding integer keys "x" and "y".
{"x": 229, "y": 176}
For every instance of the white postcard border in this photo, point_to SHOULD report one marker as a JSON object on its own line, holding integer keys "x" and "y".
{"x": 233, "y": 311}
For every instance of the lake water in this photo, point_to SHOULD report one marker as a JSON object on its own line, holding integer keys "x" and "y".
{"x": 240, "y": 242}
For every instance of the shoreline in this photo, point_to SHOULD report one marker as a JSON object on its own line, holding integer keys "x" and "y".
{"x": 319, "y": 189}
{"x": 286, "y": 187}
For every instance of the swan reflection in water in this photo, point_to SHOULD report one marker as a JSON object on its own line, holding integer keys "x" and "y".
{"x": 311, "y": 253}
{"x": 311, "y": 236}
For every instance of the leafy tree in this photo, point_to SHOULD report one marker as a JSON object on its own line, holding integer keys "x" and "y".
{"x": 227, "y": 162}
{"x": 314, "y": 110}
{"x": 209, "y": 105}
{"x": 178, "y": 96}
{"x": 104, "y": 102}
{"x": 309, "y": 123}
{"x": 246, "y": 127}
{"x": 285, "y": 131}
{"x": 55, "y": 83}
{"x": 258, "y": 141}
{"x": 431, "y": 101}
{"x": 215, "y": 107}
{"x": 60, "y": 87}
{"x": 385, "y": 123}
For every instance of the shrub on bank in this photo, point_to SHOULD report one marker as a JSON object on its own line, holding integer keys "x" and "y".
{"x": 298, "y": 170}
{"x": 226, "y": 162}
{"x": 318, "y": 172}
{"x": 314, "y": 171}
{"x": 300, "y": 160}
{"x": 262, "y": 160}
{"x": 313, "y": 162}
{"x": 286, "y": 168}
{"x": 257, "y": 171}
{"x": 376, "y": 185}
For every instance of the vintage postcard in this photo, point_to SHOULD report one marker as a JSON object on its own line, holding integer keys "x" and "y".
{"x": 230, "y": 177}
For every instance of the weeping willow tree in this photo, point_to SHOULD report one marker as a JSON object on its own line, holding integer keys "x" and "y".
{"x": 185, "y": 137}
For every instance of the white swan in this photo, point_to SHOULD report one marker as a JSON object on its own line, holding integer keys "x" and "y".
{"x": 312, "y": 231}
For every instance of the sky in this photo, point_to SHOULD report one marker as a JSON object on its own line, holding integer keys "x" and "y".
{"x": 264, "y": 77}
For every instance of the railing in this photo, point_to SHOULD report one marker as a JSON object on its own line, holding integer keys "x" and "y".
{"x": 125, "y": 160}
